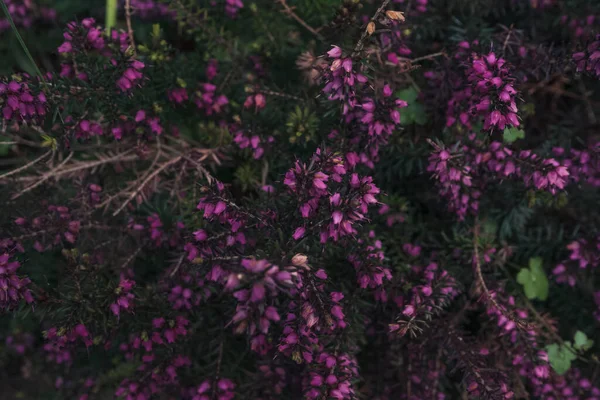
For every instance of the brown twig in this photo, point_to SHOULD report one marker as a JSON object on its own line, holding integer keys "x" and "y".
{"x": 44, "y": 178}
{"x": 179, "y": 263}
{"x": 506, "y": 40}
{"x": 24, "y": 167}
{"x": 279, "y": 94}
{"x": 289, "y": 11}
{"x": 129, "y": 28}
{"x": 427, "y": 57}
{"x": 145, "y": 182}
{"x": 131, "y": 257}
{"x": 478, "y": 274}
{"x": 551, "y": 331}
{"x": 361, "y": 42}
{"x": 265, "y": 173}
{"x": 85, "y": 165}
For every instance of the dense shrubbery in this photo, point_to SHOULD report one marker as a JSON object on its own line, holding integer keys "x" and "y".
{"x": 318, "y": 199}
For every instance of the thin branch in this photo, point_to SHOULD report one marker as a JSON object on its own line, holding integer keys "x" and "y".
{"x": 289, "y": 11}
{"x": 279, "y": 94}
{"x": 20, "y": 140}
{"x": 179, "y": 262}
{"x": 506, "y": 40}
{"x": 129, "y": 28}
{"x": 93, "y": 164}
{"x": 145, "y": 182}
{"x": 85, "y": 165}
{"x": 361, "y": 42}
{"x": 44, "y": 178}
{"x": 131, "y": 257}
{"x": 24, "y": 167}
{"x": 428, "y": 57}
{"x": 478, "y": 275}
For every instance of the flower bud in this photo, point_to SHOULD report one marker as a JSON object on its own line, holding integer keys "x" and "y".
{"x": 371, "y": 28}
{"x": 299, "y": 260}
{"x": 395, "y": 15}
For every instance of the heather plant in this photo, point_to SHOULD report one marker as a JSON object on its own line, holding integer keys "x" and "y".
{"x": 299, "y": 199}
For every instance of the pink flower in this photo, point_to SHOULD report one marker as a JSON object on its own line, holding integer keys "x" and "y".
{"x": 335, "y": 52}
{"x": 66, "y": 47}
{"x": 299, "y": 233}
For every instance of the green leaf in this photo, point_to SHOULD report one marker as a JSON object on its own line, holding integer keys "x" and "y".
{"x": 49, "y": 141}
{"x": 560, "y": 357}
{"x": 409, "y": 94}
{"x": 512, "y": 134}
{"x": 534, "y": 280}
{"x": 538, "y": 276}
{"x": 414, "y": 113}
{"x": 524, "y": 278}
{"x": 582, "y": 342}
{"x": 111, "y": 14}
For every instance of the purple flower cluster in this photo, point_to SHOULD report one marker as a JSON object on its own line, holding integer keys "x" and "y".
{"x": 340, "y": 79}
{"x": 143, "y": 123}
{"x": 232, "y": 7}
{"x": 274, "y": 378}
{"x": 132, "y": 76}
{"x": 258, "y": 101}
{"x": 55, "y": 226}
{"x": 580, "y": 27}
{"x": 319, "y": 188}
{"x": 207, "y": 100}
{"x": 420, "y": 6}
{"x": 252, "y": 315}
{"x": 494, "y": 95}
{"x": 20, "y": 104}
{"x": 331, "y": 376}
{"x": 224, "y": 390}
{"x": 588, "y": 61}
{"x": 152, "y": 9}
{"x": 462, "y": 171}
{"x": 60, "y": 342}
{"x": 571, "y": 386}
{"x": 514, "y": 325}
{"x": 373, "y": 115}
{"x": 13, "y": 288}
{"x": 160, "y": 377}
{"x": 25, "y": 13}
{"x": 125, "y": 297}
{"x": 254, "y": 142}
{"x": 86, "y": 129}
{"x": 369, "y": 264}
{"x": 20, "y": 343}
{"x": 436, "y": 288}
{"x": 395, "y": 43}
{"x": 583, "y": 165}
{"x": 164, "y": 332}
{"x": 305, "y": 320}
{"x": 584, "y": 254}
{"x": 542, "y": 173}
{"x": 455, "y": 181}
{"x": 153, "y": 230}
{"x": 85, "y": 37}
{"x": 82, "y": 37}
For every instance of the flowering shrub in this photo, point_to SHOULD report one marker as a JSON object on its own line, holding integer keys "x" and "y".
{"x": 308, "y": 199}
